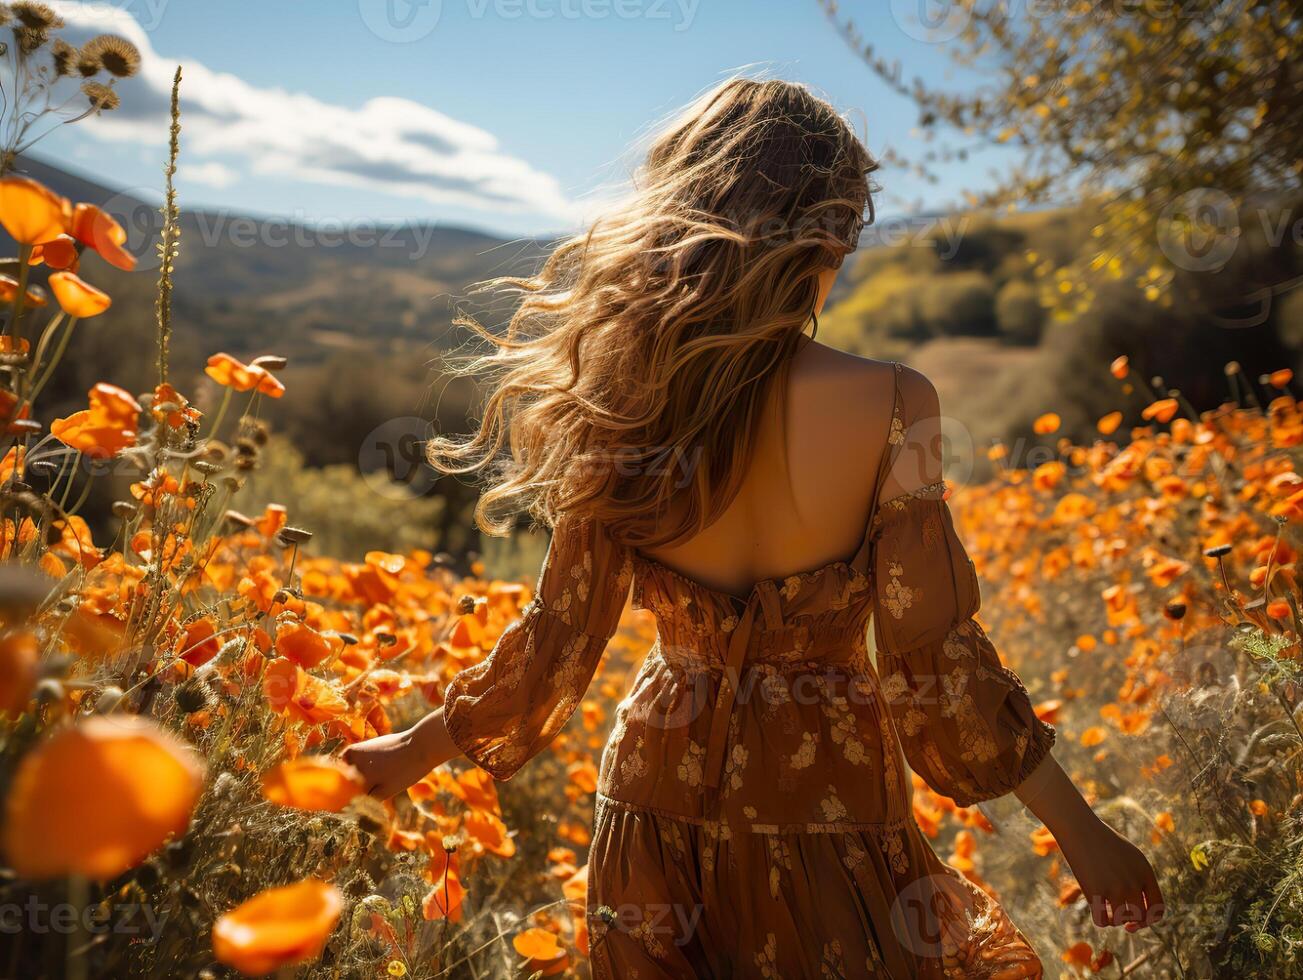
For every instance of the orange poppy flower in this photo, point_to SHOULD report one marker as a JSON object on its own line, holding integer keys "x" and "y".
{"x": 298, "y": 695}
{"x": 1109, "y": 423}
{"x": 1078, "y": 954}
{"x": 106, "y": 428}
{"x": 198, "y": 642}
{"x": 1163, "y": 410}
{"x": 12, "y": 463}
{"x": 313, "y": 783}
{"x": 1047, "y": 423}
{"x": 1093, "y": 736}
{"x": 444, "y": 900}
{"x": 299, "y": 642}
{"x": 77, "y": 297}
{"x": 18, "y": 669}
{"x": 58, "y": 253}
{"x": 139, "y": 783}
{"x": 101, "y": 231}
{"x": 234, "y": 373}
{"x": 1281, "y": 378}
{"x": 1120, "y": 367}
{"x": 277, "y": 928}
{"x": 171, "y": 408}
{"x": 31, "y": 212}
{"x": 9, "y": 289}
{"x": 542, "y": 951}
{"x": 488, "y": 833}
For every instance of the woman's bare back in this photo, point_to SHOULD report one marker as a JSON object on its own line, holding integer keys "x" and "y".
{"x": 805, "y": 500}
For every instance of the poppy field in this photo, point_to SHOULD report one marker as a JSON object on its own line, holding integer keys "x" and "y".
{"x": 176, "y": 685}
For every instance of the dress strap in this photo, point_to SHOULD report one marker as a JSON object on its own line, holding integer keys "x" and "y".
{"x": 895, "y": 439}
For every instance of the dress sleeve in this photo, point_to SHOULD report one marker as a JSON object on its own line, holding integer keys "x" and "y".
{"x": 504, "y": 710}
{"x": 965, "y": 720}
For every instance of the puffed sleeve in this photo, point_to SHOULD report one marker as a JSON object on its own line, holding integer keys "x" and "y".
{"x": 965, "y": 720}
{"x": 507, "y": 708}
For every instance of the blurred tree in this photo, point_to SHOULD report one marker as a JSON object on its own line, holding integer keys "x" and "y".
{"x": 1177, "y": 120}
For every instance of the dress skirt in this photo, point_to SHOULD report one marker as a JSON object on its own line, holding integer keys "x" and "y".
{"x": 673, "y": 898}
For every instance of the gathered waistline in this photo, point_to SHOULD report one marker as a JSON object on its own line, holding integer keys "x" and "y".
{"x": 760, "y": 827}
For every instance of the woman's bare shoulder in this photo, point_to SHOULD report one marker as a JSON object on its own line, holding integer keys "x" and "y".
{"x": 860, "y": 391}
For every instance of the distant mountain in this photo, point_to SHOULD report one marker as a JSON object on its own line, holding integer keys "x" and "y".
{"x": 348, "y": 286}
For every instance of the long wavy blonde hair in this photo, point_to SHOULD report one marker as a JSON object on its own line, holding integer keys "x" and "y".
{"x": 631, "y": 378}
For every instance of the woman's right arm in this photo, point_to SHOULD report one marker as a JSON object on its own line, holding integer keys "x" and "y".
{"x": 506, "y": 709}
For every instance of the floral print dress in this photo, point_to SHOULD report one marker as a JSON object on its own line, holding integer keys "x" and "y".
{"x": 754, "y": 811}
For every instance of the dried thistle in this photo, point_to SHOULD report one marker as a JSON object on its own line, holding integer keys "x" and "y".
{"x": 102, "y": 97}
{"x": 30, "y": 39}
{"x": 37, "y": 16}
{"x": 64, "y": 56}
{"x": 117, "y": 55}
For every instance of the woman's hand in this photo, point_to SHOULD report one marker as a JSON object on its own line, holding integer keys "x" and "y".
{"x": 391, "y": 763}
{"x": 1115, "y": 877}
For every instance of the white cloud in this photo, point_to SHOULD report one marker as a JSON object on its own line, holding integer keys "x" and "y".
{"x": 388, "y": 144}
{"x": 212, "y": 173}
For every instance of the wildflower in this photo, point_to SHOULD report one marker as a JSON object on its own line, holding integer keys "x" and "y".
{"x": 396, "y": 968}
{"x": 1109, "y": 423}
{"x": 233, "y": 373}
{"x": 299, "y": 642}
{"x": 541, "y": 950}
{"x": 36, "y": 16}
{"x": 1093, "y": 736}
{"x": 1046, "y": 424}
{"x": 1163, "y": 410}
{"x": 64, "y": 56}
{"x": 198, "y": 642}
{"x": 31, "y": 212}
{"x": 78, "y": 298}
{"x": 9, "y": 289}
{"x": 444, "y": 900}
{"x": 1120, "y": 367}
{"x": 18, "y": 670}
{"x": 313, "y": 783}
{"x": 116, "y": 54}
{"x": 104, "y": 429}
{"x": 102, "y": 97}
{"x": 102, "y": 232}
{"x": 171, "y": 408}
{"x": 140, "y": 783}
{"x": 298, "y": 695}
{"x": 279, "y": 927}
{"x": 59, "y": 253}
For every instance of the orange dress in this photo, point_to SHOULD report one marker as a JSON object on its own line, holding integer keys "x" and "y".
{"x": 754, "y": 815}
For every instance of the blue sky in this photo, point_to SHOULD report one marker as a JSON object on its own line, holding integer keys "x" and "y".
{"x": 515, "y": 116}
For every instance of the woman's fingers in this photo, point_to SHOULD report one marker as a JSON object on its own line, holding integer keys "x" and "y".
{"x": 1099, "y": 911}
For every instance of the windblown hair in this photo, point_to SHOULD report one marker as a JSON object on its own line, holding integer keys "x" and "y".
{"x": 631, "y": 378}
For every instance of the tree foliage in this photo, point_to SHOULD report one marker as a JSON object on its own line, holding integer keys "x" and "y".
{"x": 1178, "y": 120}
